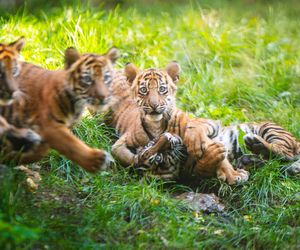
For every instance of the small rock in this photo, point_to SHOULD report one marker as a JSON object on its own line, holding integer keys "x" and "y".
{"x": 208, "y": 203}
{"x": 33, "y": 178}
{"x": 31, "y": 185}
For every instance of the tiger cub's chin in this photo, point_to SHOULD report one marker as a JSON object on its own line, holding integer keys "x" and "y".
{"x": 154, "y": 118}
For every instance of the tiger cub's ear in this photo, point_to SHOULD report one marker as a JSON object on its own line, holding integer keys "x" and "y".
{"x": 131, "y": 72}
{"x": 18, "y": 44}
{"x": 71, "y": 56}
{"x": 113, "y": 54}
{"x": 173, "y": 70}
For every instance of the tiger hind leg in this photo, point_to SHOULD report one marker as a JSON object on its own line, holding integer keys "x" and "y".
{"x": 259, "y": 146}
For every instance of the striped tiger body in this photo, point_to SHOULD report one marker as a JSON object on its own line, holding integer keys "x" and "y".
{"x": 262, "y": 139}
{"x": 13, "y": 140}
{"x": 55, "y": 100}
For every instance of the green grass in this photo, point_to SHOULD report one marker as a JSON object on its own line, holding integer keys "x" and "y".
{"x": 241, "y": 62}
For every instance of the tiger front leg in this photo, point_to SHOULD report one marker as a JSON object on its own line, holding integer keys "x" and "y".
{"x": 122, "y": 153}
{"x": 193, "y": 139}
{"x": 61, "y": 139}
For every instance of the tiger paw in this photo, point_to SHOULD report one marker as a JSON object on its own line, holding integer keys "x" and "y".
{"x": 232, "y": 176}
{"x": 173, "y": 140}
{"x": 98, "y": 160}
{"x": 193, "y": 143}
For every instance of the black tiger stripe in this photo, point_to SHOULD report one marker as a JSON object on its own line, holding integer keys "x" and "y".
{"x": 287, "y": 142}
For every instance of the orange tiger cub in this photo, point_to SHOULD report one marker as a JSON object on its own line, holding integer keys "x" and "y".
{"x": 55, "y": 100}
{"x": 12, "y": 139}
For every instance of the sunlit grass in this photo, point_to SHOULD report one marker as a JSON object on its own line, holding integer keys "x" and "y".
{"x": 240, "y": 62}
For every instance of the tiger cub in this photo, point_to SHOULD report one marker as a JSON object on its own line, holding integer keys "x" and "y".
{"x": 55, "y": 100}
{"x": 143, "y": 108}
{"x": 12, "y": 139}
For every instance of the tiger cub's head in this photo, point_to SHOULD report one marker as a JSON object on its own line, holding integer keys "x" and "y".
{"x": 154, "y": 89}
{"x": 90, "y": 74}
{"x": 10, "y": 69}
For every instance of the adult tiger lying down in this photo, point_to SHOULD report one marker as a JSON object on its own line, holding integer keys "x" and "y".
{"x": 143, "y": 108}
{"x": 12, "y": 140}
{"x": 54, "y": 101}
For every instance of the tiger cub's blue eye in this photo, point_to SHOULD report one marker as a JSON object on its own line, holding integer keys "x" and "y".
{"x": 162, "y": 89}
{"x": 143, "y": 90}
{"x": 86, "y": 79}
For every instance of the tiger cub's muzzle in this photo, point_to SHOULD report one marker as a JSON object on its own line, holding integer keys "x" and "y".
{"x": 154, "y": 109}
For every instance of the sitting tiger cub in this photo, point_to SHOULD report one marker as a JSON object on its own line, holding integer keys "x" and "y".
{"x": 13, "y": 140}
{"x": 54, "y": 101}
{"x": 142, "y": 108}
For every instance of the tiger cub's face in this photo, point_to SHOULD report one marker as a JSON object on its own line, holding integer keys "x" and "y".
{"x": 153, "y": 89}
{"x": 9, "y": 70}
{"x": 90, "y": 74}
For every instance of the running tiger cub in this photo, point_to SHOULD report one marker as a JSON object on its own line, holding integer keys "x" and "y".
{"x": 12, "y": 140}
{"x": 147, "y": 110}
{"x": 54, "y": 101}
